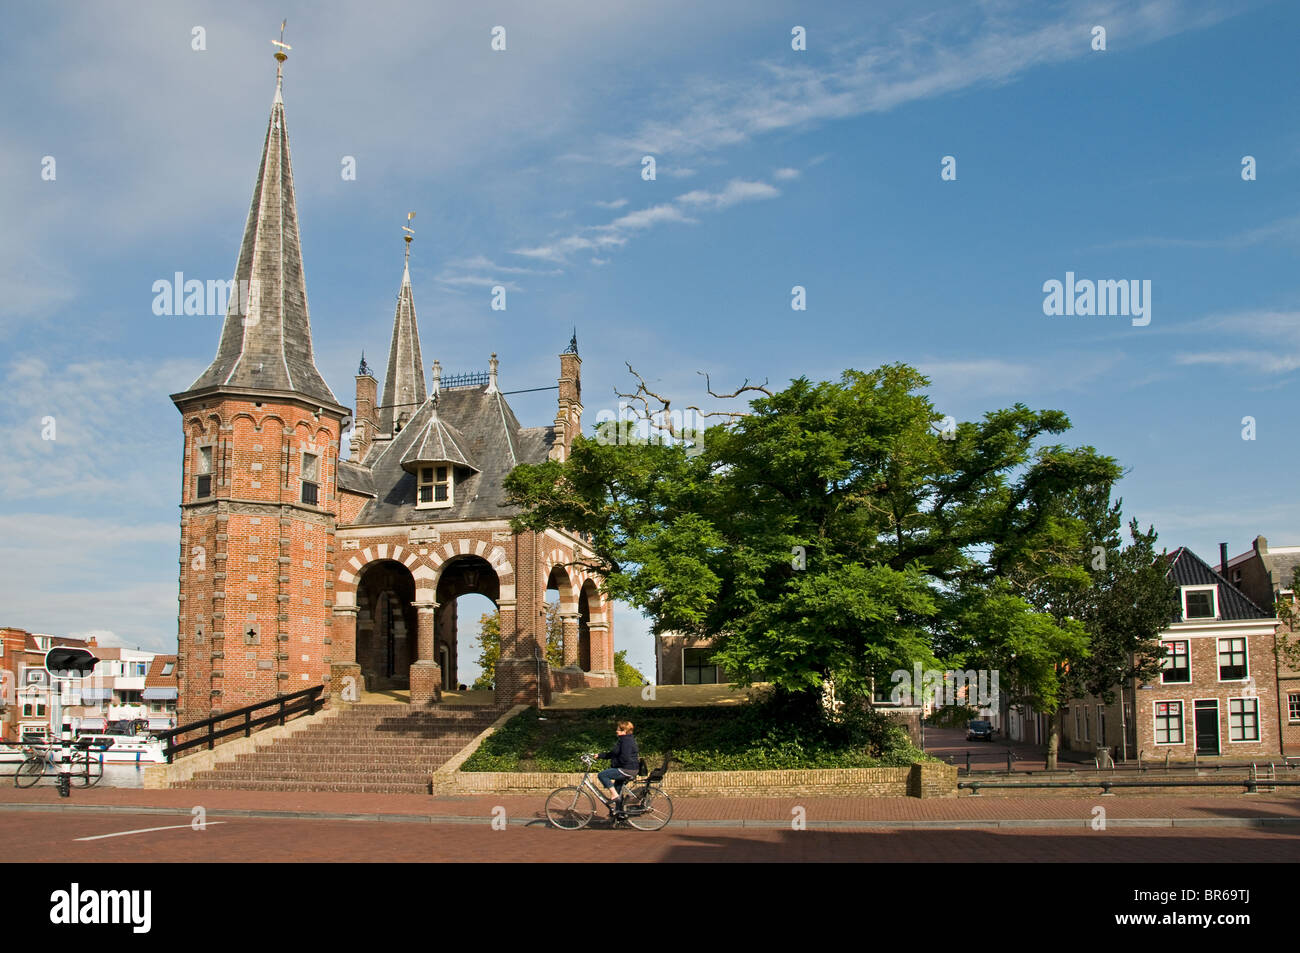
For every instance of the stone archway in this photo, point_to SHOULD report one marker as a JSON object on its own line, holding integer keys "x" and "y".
{"x": 386, "y": 625}
{"x": 462, "y": 575}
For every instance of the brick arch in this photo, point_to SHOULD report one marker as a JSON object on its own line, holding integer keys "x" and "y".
{"x": 345, "y": 583}
{"x": 495, "y": 556}
{"x": 558, "y": 561}
{"x": 266, "y": 418}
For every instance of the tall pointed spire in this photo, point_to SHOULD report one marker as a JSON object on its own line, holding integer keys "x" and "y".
{"x": 266, "y": 340}
{"x": 404, "y": 380}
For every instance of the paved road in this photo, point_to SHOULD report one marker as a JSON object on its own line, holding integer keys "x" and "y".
{"x": 29, "y": 836}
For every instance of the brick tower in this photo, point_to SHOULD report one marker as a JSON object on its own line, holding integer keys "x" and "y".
{"x": 261, "y": 451}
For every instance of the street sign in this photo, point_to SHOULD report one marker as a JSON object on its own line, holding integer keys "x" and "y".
{"x": 69, "y": 663}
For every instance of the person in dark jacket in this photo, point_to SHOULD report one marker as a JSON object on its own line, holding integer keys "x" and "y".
{"x": 624, "y": 759}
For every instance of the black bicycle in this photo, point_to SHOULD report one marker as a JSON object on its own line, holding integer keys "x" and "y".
{"x": 645, "y": 806}
{"x": 87, "y": 766}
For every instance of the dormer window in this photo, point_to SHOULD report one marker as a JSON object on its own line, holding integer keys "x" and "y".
{"x": 435, "y": 486}
{"x": 203, "y": 483}
{"x": 1200, "y": 602}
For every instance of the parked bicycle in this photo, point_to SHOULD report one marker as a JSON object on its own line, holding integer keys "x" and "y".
{"x": 645, "y": 806}
{"x": 87, "y": 766}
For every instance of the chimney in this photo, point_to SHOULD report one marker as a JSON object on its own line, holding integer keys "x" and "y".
{"x": 1223, "y": 560}
{"x": 367, "y": 417}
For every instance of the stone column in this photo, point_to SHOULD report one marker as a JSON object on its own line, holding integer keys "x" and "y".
{"x": 426, "y": 673}
{"x": 569, "y": 626}
{"x": 345, "y": 674}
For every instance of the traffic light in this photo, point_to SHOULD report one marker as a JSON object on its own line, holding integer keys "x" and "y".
{"x": 69, "y": 663}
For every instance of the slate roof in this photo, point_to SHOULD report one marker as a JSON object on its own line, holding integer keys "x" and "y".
{"x": 489, "y": 436}
{"x": 404, "y": 381}
{"x": 438, "y": 441}
{"x": 1189, "y": 569}
{"x": 270, "y": 348}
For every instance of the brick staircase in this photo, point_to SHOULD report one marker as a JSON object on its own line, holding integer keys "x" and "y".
{"x": 368, "y": 749}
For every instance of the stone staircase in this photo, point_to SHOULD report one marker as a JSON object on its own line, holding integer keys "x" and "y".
{"x": 367, "y": 749}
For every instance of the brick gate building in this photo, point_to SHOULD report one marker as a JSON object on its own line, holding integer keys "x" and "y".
{"x": 299, "y": 567}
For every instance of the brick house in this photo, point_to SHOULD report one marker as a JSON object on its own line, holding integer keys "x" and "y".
{"x": 686, "y": 660}
{"x": 25, "y": 703}
{"x": 1266, "y": 574}
{"x": 1217, "y": 694}
{"x": 299, "y": 567}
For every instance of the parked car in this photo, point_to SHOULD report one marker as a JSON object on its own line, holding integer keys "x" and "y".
{"x": 979, "y": 730}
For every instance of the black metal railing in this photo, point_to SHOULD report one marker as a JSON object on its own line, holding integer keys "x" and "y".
{"x": 308, "y": 700}
{"x": 1251, "y": 785}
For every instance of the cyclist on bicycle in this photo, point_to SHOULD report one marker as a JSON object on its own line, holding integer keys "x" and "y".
{"x": 624, "y": 759}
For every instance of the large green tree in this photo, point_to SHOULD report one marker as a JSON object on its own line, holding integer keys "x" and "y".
{"x": 831, "y": 533}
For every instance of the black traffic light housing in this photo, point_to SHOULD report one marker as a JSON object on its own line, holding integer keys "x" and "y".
{"x": 69, "y": 663}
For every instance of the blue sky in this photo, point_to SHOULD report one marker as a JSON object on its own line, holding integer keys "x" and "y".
{"x": 775, "y": 168}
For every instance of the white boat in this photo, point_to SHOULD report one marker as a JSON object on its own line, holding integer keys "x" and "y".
{"x": 125, "y": 749}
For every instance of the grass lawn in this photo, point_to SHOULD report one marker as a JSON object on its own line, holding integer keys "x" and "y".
{"x": 763, "y": 735}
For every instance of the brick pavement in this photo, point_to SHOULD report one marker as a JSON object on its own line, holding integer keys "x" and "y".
{"x": 250, "y": 840}
{"x": 713, "y": 812}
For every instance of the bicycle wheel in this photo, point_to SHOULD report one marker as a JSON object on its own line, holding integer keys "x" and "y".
{"x": 87, "y": 771}
{"x": 656, "y": 811}
{"x": 29, "y": 772}
{"x": 570, "y": 809}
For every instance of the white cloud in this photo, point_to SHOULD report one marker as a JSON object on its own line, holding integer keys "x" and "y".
{"x": 654, "y": 215}
{"x": 616, "y": 204}
{"x": 1278, "y": 332}
{"x": 735, "y": 191}
{"x": 786, "y": 174}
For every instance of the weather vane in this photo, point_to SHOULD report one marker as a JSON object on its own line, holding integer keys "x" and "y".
{"x": 280, "y": 55}
{"x": 410, "y": 233}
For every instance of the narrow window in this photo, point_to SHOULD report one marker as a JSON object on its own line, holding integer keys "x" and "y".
{"x": 1177, "y": 667}
{"x": 204, "y": 481}
{"x": 310, "y": 478}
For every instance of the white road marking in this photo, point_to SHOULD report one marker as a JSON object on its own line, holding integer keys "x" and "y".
{"x": 144, "y": 830}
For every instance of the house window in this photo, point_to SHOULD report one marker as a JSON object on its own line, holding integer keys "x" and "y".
{"x": 1101, "y": 725}
{"x": 1169, "y": 723}
{"x": 435, "y": 486}
{"x": 1200, "y": 603}
{"x": 1078, "y": 726}
{"x": 1085, "y": 723}
{"x": 27, "y": 711}
{"x": 1293, "y": 707}
{"x": 204, "y": 470}
{"x": 1177, "y": 665}
{"x": 1232, "y": 659}
{"x": 310, "y": 478}
{"x": 167, "y": 667}
{"x": 697, "y": 669}
{"x": 141, "y": 668}
{"x": 1243, "y": 719}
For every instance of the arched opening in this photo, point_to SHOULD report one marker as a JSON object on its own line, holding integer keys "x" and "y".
{"x": 468, "y": 588}
{"x": 474, "y": 612}
{"x": 386, "y": 625}
{"x": 559, "y": 602}
{"x": 585, "y": 600}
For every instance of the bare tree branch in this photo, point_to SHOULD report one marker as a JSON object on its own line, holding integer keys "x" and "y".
{"x": 662, "y": 418}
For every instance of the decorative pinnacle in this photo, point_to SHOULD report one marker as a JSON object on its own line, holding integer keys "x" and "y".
{"x": 573, "y": 343}
{"x": 364, "y": 369}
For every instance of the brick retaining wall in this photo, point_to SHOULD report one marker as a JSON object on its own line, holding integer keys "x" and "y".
{"x": 918, "y": 780}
